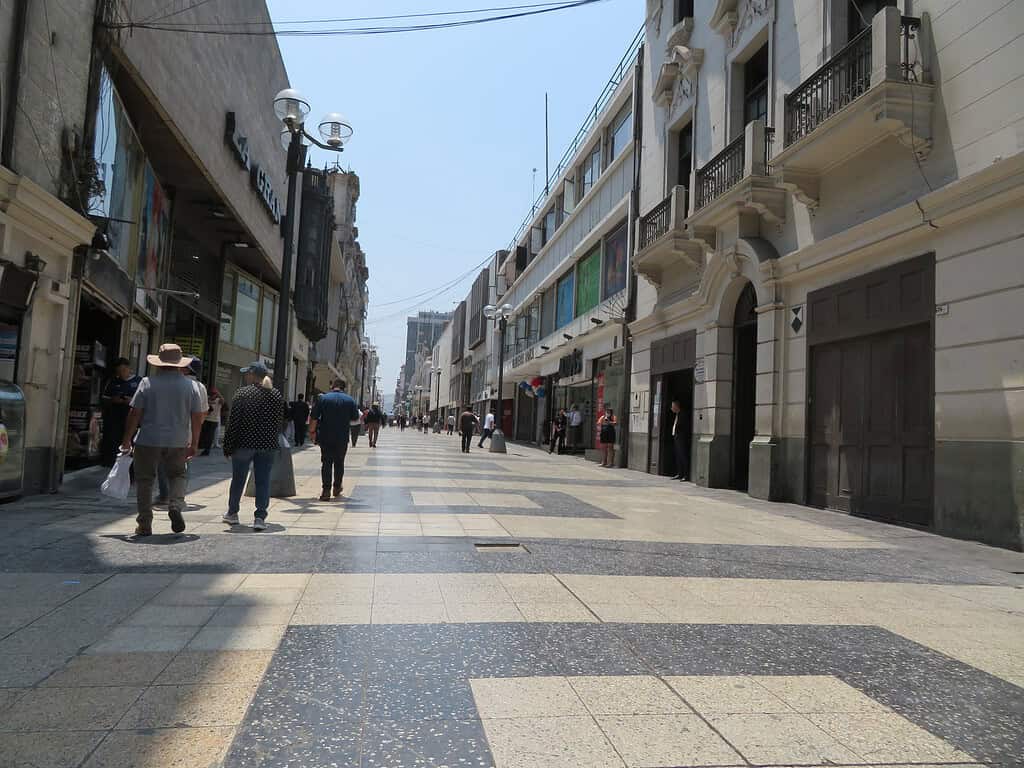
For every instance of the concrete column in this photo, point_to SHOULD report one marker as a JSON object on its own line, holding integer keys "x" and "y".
{"x": 885, "y": 46}
{"x": 713, "y": 407}
{"x": 765, "y": 459}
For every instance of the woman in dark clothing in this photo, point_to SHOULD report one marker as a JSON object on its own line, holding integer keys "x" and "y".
{"x": 606, "y": 425}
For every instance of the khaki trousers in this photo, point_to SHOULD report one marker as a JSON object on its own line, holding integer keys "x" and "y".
{"x": 147, "y": 459}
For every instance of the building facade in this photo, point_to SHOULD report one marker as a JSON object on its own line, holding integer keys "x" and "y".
{"x": 829, "y": 257}
{"x": 422, "y": 333}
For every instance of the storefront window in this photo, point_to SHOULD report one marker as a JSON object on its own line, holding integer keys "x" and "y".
{"x": 227, "y": 307}
{"x": 588, "y": 282}
{"x": 614, "y": 278}
{"x": 268, "y": 324}
{"x": 154, "y": 236}
{"x": 566, "y": 294}
{"x": 118, "y": 156}
{"x": 608, "y": 383}
{"x": 247, "y": 304}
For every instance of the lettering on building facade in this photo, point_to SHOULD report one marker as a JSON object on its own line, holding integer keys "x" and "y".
{"x": 258, "y": 177}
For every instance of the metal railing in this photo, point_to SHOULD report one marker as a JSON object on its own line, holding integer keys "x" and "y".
{"x": 844, "y": 78}
{"x": 769, "y": 141}
{"x": 721, "y": 173}
{"x": 656, "y": 222}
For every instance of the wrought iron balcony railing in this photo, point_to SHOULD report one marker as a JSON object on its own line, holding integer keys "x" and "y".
{"x": 656, "y": 223}
{"x": 721, "y": 173}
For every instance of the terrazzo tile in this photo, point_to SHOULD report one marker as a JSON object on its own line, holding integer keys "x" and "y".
{"x": 332, "y": 614}
{"x": 126, "y": 639}
{"x": 52, "y": 750}
{"x": 23, "y": 670}
{"x": 408, "y": 613}
{"x": 171, "y": 616}
{"x": 167, "y": 748}
{"x": 526, "y": 697}
{"x": 125, "y": 669}
{"x": 60, "y": 709}
{"x": 882, "y": 736}
{"x": 215, "y": 667}
{"x": 627, "y": 695}
{"x": 251, "y": 616}
{"x": 417, "y": 697}
{"x": 425, "y": 744}
{"x": 550, "y": 742}
{"x": 666, "y": 740}
{"x": 260, "y": 638}
{"x": 781, "y": 739}
{"x": 819, "y": 694}
{"x": 557, "y": 612}
{"x": 728, "y": 695}
{"x": 301, "y": 745}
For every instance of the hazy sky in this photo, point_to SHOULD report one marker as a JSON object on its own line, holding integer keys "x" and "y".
{"x": 448, "y": 127}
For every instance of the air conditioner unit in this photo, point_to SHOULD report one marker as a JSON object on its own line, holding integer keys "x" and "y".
{"x": 57, "y": 291}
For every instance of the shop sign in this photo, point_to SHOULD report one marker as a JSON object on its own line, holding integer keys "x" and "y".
{"x": 523, "y": 357}
{"x": 571, "y": 365}
{"x": 258, "y": 177}
{"x": 698, "y": 371}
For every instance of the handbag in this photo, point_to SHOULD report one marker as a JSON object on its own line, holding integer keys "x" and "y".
{"x": 119, "y": 480}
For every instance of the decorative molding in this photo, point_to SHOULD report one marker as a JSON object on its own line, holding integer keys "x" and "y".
{"x": 752, "y": 9}
{"x": 655, "y": 9}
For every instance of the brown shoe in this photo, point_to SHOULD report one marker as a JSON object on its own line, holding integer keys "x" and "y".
{"x": 143, "y": 530}
{"x": 337, "y": 491}
{"x": 325, "y": 496}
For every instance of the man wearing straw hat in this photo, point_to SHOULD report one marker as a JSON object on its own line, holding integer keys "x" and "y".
{"x": 168, "y": 412}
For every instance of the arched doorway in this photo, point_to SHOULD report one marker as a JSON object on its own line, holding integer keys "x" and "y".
{"x": 744, "y": 378}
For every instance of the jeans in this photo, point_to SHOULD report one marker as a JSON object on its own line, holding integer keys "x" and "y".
{"x": 262, "y": 462}
{"x": 300, "y": 432}
{"x": 485, "y": 436}
{"x": 682, "y": 455}
{"x": 163, "y": 487}
{"x": 148, "y": 458}
{"x": 467, "y": 440}
{"x": 332, "y": 464}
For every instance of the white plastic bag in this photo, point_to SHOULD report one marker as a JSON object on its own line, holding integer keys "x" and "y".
{"x": 119, "y": 481}
{"x": 282, "y": 441}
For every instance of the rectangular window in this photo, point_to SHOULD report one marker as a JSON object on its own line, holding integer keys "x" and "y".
{"x": 614, "y": 276}
{"x": 684, "y": 157}
{"x": 683, "y": 10}
{"x": 247, "y": 305}
{"x": 755, "y": 87}
{"x": 227, "y": 307}
{"x": 588, "y": 282}
{"x": 591, "y": 170}
{"x": 268, "y": 324}
{"x": 547, "y": 313}
{"x": 550, "y": 225}
{"x": 566, "y": 297}
{"x": 621, "y": 133}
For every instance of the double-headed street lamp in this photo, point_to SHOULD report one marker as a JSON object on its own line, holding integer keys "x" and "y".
{"x": 364, "y": 348}
{"x": 500, "y": 315}
{"x": 291, "y": 109}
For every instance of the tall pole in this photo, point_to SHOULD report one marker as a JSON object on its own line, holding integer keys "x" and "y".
{"x": 362, "y": 383}
{"x": 498, "y": 436}
{"x": 547, "y": 152}
{"x": 282, "y": 353}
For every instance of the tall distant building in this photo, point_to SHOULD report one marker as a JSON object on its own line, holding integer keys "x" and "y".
{"x": 423, "y": 332}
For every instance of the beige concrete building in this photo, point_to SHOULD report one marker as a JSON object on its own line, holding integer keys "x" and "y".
{"x": 830, "y": 256}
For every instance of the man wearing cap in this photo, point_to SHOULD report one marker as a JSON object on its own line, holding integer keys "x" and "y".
{"x": 329, "y": 425}
{"x": 168, "y": 413}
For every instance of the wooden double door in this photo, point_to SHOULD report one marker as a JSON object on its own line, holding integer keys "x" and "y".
{"x": 872, "y": 425}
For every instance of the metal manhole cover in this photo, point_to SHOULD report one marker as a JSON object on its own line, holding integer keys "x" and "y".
{"x": 500, "y": 546}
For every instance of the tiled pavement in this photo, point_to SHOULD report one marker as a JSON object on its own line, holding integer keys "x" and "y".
{"x": 622, "y": 620}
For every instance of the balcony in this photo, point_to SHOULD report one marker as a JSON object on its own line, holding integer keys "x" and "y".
{"x": 868, "y": 92}
{"x": 663, "y": 246}
{"x": 736, "y": 182}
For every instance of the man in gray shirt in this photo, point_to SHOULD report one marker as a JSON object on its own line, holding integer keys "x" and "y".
{"x": 168, "y": 412}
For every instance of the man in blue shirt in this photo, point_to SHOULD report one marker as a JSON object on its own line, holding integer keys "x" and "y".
{"x": 329, "y": 427}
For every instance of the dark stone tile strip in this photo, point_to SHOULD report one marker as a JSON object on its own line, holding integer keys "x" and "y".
{"x": 402, "y": 691}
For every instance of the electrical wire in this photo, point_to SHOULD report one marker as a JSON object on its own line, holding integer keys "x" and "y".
{"x": 445, "y": 286}
{"x": 353, "y": 31}
{"x": 151, "y": 19}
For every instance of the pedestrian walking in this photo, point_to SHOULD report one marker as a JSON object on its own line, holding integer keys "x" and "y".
{"x": 680, "y": 443}
{"x": 402, "y": 423}
{"x": 575, "y": 428}
{"x": 373, "y": 419}
{"x": 299, "y": 410}
{"x": 252, "y": 439}
{"x": 355, "y": 425}
{"x": 195, "y": 368}
{"x": 558, "y": 427}
{"x": 211, "y": 424}
{"x": 329, "y": 424}
{"x": 451, "y": 424}
{"x": 116, "y": 400}
{"x": 606, "y": 430}
{"x": 488, "y": 430}
{"x": 468, "y": 422}
{"x": 168, "y": 414}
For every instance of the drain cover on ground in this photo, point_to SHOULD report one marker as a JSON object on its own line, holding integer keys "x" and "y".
{"x": 500, "y": 546}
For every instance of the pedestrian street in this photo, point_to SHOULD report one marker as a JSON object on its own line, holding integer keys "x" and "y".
{"x": 519, "y": 611}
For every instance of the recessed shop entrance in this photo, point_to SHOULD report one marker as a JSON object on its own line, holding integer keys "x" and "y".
{"x": 672, "y": 362}
{"x": 872, "y": 403}
{"x": 744, "y": 380}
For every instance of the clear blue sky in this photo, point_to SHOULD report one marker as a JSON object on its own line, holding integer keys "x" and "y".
{"x": 448, "y": 127}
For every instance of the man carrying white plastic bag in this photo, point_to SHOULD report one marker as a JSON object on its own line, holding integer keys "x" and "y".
{"x": 119, "y": 481}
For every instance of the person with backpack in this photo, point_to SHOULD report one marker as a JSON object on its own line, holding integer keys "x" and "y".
{"x": 468, "y": 422}
{"x": 373, "y": 418}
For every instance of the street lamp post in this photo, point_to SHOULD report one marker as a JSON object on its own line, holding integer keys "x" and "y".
{"x": 501, "y": 315}
{"x": 362, "y": 377}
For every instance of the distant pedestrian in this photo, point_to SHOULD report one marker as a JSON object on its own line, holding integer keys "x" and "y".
{"x": 329, "y": 424}
{"x": 356, "y": 425}
{"x": 252, "y": 438}
{"x": 116, "y": 401}
{"x": 488, "y": 430}
{"x": 299, "y": 411}
{"x": 680, "y": 443}
{"x": 558, "y": 427}
{"x": 403, "y": 422}
{"x": 575, "y": 428}
{"x": 468, "y": 422}
{"x": 606, "y": 430}
{"x": 373, "y": 419}
{"x": 168, "y": 413}
{"x": 211, "y": 424}
{"x": 451, "y": 424}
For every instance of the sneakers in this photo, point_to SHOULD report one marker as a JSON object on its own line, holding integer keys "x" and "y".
{"x": 143, "y": 530}
{"x": 325, "y": 496}
{"x": 259, "y": 524}
{"x": 230, "y": 519}
{"x": 177, "y": 520}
